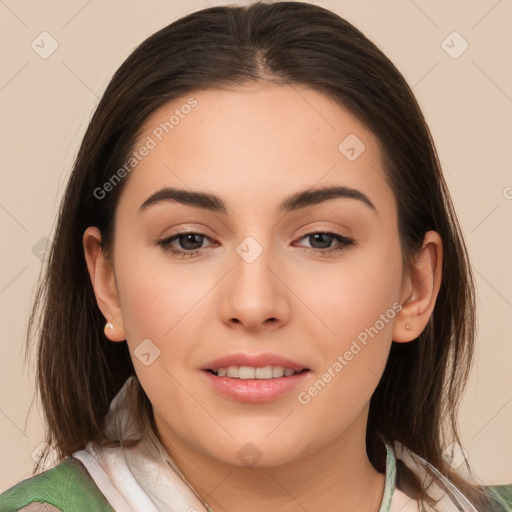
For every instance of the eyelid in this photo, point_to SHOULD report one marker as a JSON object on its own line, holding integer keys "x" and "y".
{"x": 323, "y": 229}
{"x": 183, "y": 229}
{"x": 334, "y": 229}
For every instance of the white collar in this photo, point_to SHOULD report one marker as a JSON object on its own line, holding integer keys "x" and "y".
{"x": 144, "y": 478}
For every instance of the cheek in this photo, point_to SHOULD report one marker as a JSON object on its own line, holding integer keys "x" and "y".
{"x": 355, "y": 306}
{"x": 158, "y": 303}
{"x": 155, "y": 294}
{"x": 351, "y": 294}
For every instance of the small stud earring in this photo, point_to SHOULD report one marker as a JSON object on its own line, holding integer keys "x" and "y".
{"x": 109, "y": 325}
{"x": 408, "y": 327}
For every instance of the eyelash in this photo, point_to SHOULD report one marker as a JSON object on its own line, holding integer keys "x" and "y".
{"x": 345, "y": 241}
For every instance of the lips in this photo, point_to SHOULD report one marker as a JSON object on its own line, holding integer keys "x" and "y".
{"x": 243, "y": 386}
{"x": 255, "y": 361}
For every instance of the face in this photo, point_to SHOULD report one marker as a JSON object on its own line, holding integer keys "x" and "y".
{"x": 313, "y": 283}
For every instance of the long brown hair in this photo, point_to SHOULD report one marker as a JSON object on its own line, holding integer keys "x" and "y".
{"x": 79, "y": 371}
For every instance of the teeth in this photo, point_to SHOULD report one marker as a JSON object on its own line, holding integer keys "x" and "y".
{"x": 249, "y": 372}
{"x": 244, "y": 372}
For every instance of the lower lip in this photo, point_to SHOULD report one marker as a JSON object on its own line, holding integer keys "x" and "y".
{"x": 255, "y": 390}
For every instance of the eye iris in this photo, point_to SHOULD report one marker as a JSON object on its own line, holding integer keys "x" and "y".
{"x": 318, "y": 236}
{"x": 187, "y": 238}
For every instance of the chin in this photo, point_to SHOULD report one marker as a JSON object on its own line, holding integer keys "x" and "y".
{"x": 257, "y": 451}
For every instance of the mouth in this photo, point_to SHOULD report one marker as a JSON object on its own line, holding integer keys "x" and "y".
{"x": 263, "y": 377}
{"x": 255, "y": 384}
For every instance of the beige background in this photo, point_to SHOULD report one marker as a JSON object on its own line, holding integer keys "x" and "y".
{"x": 46, "y": 104}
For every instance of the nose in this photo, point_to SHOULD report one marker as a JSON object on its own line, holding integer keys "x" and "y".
{"x": 254, "y": 293}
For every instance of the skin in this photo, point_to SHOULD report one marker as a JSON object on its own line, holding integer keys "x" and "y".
{"x": 253, "y": 146}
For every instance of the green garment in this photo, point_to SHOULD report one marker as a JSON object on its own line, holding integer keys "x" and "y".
{"x": 67, "y": 486}
{"x": 503, "y": 494}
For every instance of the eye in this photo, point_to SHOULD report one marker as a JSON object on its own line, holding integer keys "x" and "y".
{"x": 321, "y": 242}
{"x": 191, "y": 243}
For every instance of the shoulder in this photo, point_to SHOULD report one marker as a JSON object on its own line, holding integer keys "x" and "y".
{"x": 66, "y": 487}
{"x": 502, "y": 496}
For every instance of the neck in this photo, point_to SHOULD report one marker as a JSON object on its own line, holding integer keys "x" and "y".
{"x": 336, "y": 477}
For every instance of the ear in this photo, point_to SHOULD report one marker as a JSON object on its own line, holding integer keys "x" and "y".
{"x": 104, "y": 285}
{"x": 420, "y": 290}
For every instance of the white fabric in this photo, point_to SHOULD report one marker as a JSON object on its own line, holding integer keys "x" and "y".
{"x": 138, "y": 479}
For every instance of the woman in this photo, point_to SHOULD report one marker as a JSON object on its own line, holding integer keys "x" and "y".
{"x": 258, "y": 295}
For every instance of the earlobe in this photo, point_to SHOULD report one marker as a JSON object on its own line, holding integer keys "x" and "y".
{"x": 103, "y": 283}
{"x": 114, "y": 332}
{"x": 421, "y": 292}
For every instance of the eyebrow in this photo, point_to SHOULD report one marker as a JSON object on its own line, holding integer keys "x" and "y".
{"x": 293, "y": 202}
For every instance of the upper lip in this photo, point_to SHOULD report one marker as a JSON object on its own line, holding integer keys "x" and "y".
{"x": 253, "y": 360}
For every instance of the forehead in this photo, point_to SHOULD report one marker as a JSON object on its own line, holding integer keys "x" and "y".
{"x": 254, "y": 143}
